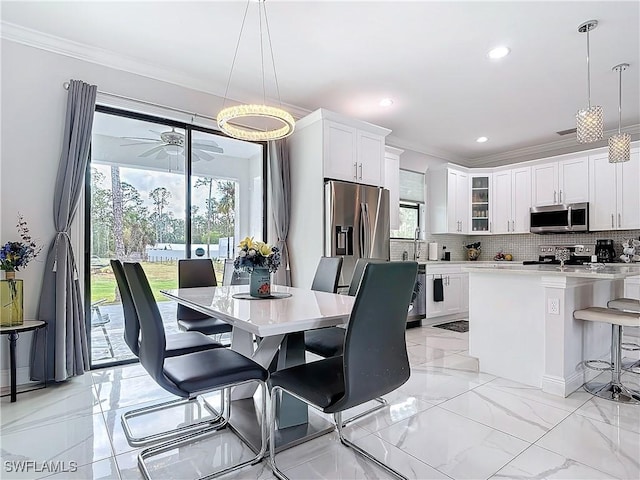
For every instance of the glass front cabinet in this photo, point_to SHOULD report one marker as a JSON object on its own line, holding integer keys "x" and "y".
{"x": 480, "y": 204}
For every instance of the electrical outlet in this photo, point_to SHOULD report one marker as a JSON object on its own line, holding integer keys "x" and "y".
{"x": 553, "y": 306}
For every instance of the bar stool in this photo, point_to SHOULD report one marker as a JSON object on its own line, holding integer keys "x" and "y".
{"x": 628, "y": 305}
{"x": 614, "y": 389}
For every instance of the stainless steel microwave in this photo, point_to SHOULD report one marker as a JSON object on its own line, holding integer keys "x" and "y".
{"x": 565, "y": 218}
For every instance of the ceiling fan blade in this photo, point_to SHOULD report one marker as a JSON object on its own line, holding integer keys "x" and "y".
{"x": 200, "y": 155}
{"x": 136, "y": 143}
{"x": 208, "y": 148}
{"x": 153, "y": 150}
{"x": 142, "y": 138}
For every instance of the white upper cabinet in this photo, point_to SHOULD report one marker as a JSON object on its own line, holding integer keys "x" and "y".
{"x": 340, "y": 148}
{"x": 511, "y": 200}
{"x": 370, "y": 152}
{"x": 392, "y": 183}
{"x": 544, "y": 184}
{"x": 353, "y": 151}
{"x": 449, "y": 200}
{"x": 564, "y": 181}
{"x": 521, "y": 199}
{"x": 614, "y": 193}
{"x": 481, "y": 198}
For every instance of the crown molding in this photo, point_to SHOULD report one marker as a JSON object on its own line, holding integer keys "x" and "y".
{"x": 420, "y": 148}
{"x": 559, "y": 147}
{"x": 107, "y": 58}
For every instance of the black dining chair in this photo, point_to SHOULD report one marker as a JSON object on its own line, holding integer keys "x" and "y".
{"x": 188, "y": 376}
{"x": 198, "y": 272}
{"x": 328, "y": 342}
{"x": 374, "y": 361}
{"x": 327, "y": 275}
{"x": 176, "y": 344}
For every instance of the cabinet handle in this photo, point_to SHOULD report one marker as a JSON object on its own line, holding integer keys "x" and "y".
{"x": 619, "y": 221}
{"x": 612, "y": 226}
{"x": 554, "y": 196}
{"x": 513, "y": 225}
{"x": 490, "y": 227}
{"x": 560, "y": 196}
{"x": 355, "y": 166}
{"x": 360, "y": 171}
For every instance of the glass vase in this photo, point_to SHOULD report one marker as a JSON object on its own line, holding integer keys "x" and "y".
{"x": 11, "y": 303}
{"x": 260, "y": 284}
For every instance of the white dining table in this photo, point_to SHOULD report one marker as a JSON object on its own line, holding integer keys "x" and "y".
{"x": 279, "y": 325}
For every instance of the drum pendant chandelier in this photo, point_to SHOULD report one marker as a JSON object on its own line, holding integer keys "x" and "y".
{"x": 590, "y": 120}
{"x": 620, "y": 143}
{"x": 230, "y": 118}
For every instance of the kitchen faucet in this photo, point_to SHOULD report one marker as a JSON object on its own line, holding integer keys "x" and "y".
{"x": 416, "y": 245}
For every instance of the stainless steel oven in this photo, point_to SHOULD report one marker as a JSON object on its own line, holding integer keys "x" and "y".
{"x": 564, "y": 218}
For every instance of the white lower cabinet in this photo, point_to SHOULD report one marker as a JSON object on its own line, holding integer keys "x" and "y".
{"x": 632, "y": 287}
{"x": 455, "y": 286}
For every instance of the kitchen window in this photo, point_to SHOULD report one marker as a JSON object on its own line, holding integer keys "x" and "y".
{"x": 412, "y": 195}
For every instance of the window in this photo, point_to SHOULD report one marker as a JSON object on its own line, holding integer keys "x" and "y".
{"x": 158, "y": 191}
{"x": 412, "y": 195}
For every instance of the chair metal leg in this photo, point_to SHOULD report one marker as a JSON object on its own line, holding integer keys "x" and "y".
{"x": 184, "y": 440}
{"x": 383, "y": 403}
{"x": 360, "y": 451}
{"x": 106, "y": 337}
{"x": 218, "y": 421}
{"x": 339, "y": 424}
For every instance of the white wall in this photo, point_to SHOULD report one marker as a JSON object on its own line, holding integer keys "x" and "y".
{"x": 32, "y": 112}
{"x": 419, "y": 162}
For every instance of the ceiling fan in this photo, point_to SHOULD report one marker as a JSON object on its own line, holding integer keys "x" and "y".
{"x": 201, "y": 150}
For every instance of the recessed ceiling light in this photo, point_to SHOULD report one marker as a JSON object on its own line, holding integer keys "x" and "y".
{"x": 482, "y": 139}
{"x": 386, "y": 102}
{"x": 499, "y": 52}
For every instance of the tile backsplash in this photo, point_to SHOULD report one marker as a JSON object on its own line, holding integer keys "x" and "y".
{"x": 522, "y": 247}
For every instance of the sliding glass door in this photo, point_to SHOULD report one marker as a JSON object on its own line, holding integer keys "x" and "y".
{"x": 145, "y": 175}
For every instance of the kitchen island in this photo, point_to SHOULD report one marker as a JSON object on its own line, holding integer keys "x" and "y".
{"x": 521, "y": 324}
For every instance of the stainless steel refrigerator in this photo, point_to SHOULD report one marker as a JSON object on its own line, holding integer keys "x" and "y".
{"x": 356, "y": 224}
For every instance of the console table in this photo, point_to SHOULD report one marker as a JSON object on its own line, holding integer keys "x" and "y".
{"x": 13, "y": 333}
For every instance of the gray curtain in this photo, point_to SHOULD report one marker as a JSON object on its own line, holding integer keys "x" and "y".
{"x": 281, "y": 204}
{"x": 61, "y": 304}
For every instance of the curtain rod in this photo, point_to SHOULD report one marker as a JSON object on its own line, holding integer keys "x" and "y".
{"x": 151, "y": 104}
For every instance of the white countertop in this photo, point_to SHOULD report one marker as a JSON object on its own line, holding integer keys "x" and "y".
{"x": 610, "y": 271}
{"x": 465, "y": 262}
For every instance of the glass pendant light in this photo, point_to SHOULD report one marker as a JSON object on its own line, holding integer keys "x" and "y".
{"x": 235, "y": 120}
{"x": 620, "y": 143}
{"x": 590, "y": 120}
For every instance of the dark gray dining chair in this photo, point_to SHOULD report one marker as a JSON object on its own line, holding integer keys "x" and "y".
{"x": 327, "y": 275}
{"x": 374, "y": 361}
{"x": 176, "y": 344}
{"x": 328, "y": 342}
{"x": 189, "y": 376}
{"x": 198, "y": 272}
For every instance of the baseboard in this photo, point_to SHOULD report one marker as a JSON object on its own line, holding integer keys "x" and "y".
{"x": 429, "y": 322}
{"x": 560, "y": 386}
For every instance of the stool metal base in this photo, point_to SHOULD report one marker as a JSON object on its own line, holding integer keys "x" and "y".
{"x": 614, "y": 391}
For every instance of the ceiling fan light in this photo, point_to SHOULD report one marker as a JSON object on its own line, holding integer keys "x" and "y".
{"x": 590, "y": 124}
{"x": 620, "y": 148}
{"x": 237, "y": 112}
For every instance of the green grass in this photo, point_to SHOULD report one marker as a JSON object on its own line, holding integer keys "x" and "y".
{"x": 162, "y": 276}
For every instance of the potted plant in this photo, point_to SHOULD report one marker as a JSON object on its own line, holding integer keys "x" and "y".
{"x": 260, "y": 260}
{"x": 13, "y": 257}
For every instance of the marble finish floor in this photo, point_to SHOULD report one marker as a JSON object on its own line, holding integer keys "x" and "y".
{"x": 447, "y": 421}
